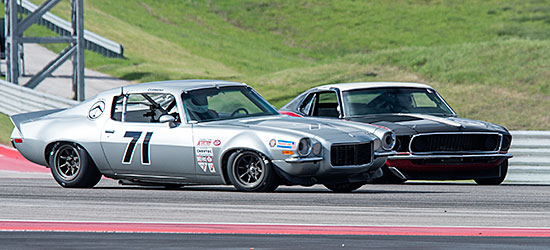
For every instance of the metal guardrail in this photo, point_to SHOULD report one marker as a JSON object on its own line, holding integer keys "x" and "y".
{"x": 531, "y": 161}
{"x": 16, "y": 99}
{"x": 92, "y": 41}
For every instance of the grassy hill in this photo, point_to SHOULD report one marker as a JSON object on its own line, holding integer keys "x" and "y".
{"x": 490, "y": 59}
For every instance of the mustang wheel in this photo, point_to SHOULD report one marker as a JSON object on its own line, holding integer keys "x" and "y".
{"x": 343, "y": 187}
{"x": 495, "y": 181}
{"x": 248, "y": 171}
{"x": 72, "y": 167}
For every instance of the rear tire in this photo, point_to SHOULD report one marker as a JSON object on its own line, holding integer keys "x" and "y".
{"x": 495, "y": 181}
{"x": 343, "y": 187}
{"x": 72, "y": 167}
{"x": 251, "y": 172}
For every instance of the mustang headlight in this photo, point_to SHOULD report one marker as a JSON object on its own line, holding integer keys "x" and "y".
{"x": 388, "y": 141}
{"x": 304, "y": 146}
{"x": 506, "y": 141}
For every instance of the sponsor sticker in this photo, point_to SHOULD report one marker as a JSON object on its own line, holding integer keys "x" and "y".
{"x": 203, "y": 166}
{"x": 211, "y": 168}
{"x": 204, "y": 143}
{"x": 205, "y": 159}
{"x": 204, "y": 151}
{"x": 272, "y": 143}
{"x": 209, "y": 142}
{"x": 285, "y": 144}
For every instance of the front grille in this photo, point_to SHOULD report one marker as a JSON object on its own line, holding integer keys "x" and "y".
{"x": 455, "y": 143}
{"x": 350, "y": 154}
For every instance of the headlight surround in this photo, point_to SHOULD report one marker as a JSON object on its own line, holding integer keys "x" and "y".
{"x": 388, "y": 140}
{"x": 304, "y": 147}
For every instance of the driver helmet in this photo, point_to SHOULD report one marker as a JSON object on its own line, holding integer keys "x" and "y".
{"x": 197, "y": 104}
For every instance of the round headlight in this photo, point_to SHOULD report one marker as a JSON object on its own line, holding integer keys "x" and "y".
{"x": 491, "y": 143}
{"x": 304, "y": 146}
{"x": 316, "y": 149}
{"x": 388, "y": 141}
{"x": 505, "y": 143}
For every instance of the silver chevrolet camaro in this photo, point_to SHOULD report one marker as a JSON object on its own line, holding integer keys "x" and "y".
{"x": 177, "y": 133}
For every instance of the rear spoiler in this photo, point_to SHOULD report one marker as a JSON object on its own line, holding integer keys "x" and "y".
{"x": 25, "y": 117}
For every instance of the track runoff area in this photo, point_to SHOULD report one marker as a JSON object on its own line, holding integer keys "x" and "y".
{"x": 12, "y": 162}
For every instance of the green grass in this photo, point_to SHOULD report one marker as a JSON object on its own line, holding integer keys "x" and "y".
{"x": 490, "y": 59}
{"x": 5, "y": 129}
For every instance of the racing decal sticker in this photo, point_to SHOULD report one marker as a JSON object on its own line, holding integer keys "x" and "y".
{"x": 272, "y": 143}
{"x": 145, "y": 148}
{"x": 205, "y": 159}
{"x": 211, "y": 168}
{"x": 209, "y": 142}
{"x": 96, "y": 110}
{"x": 285, "y": 144}
{"x": 204, "y": 143}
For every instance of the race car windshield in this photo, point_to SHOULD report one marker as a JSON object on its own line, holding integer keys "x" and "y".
{"x": 224, "y": 103}
{"x": 394, "y": 100}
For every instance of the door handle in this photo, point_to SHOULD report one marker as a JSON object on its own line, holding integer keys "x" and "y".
{"x": 110, "y": 131}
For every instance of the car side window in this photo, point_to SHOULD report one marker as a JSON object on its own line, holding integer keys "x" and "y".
{"x": 144, "y": 107}
{"x": 308, "y": 103}
{"x": 327, "y": 105}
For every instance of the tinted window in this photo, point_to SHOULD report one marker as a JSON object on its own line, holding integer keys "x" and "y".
{"x": 394, "y": 100}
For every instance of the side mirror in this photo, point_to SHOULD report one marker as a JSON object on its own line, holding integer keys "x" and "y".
{"x": 168, "y": 118}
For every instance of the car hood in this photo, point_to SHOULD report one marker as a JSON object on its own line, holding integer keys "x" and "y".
{"x": 407, "y": 124}
{"x": 328, "y": 130}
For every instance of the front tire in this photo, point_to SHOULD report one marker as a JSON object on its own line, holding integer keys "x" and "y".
{"x": 251, "y": 172}
{"x": 72, "y": 167}
{"x": 495, "y": 181}
{"x": 343, "y": 187}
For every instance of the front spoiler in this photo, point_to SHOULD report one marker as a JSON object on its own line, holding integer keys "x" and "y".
{"x": 420, "y": 157}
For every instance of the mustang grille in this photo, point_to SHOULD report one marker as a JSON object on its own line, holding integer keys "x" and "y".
{"x": 350, "y": 154}
{"x": 455, "y": 143}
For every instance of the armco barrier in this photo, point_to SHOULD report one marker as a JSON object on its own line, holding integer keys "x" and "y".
{"x": 531, "y": 162}
{"x": 17, "y": 99}
{"x": 92, "y": 41}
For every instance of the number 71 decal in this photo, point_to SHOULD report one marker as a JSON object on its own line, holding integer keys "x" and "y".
{"x": 129, "y": 153}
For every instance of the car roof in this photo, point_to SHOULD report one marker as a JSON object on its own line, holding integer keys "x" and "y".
{"x": 363, "y": 85}
{"x": 178, "y": 85}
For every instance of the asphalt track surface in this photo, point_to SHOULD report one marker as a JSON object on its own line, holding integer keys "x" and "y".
{"x": 36, "y": 213}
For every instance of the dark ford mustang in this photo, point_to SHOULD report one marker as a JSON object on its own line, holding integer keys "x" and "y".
{"x": 433, "y": 143}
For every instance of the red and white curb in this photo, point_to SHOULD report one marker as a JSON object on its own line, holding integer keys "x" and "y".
{"x": 59, "y": 226}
